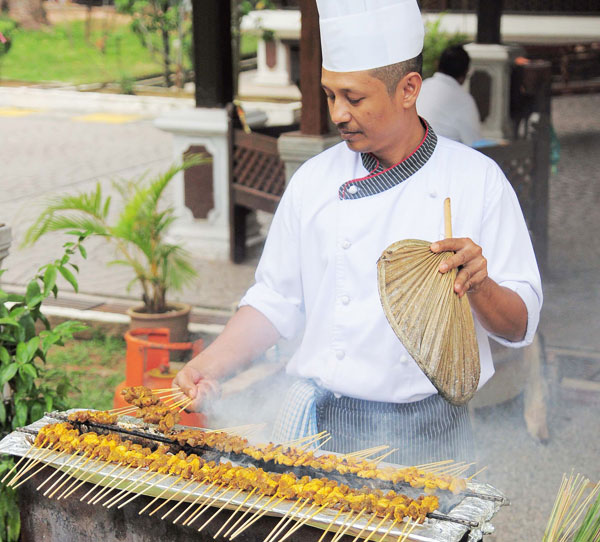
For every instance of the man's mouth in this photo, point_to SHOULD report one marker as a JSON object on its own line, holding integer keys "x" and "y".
{"x": 347, "y": 135}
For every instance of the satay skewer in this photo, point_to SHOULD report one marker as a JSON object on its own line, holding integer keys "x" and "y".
{"x": 95, "y": 486}
{"x": 389, "y": 530}
{"x": 380, "y": 458}
{"x": 21, "y": 473}
{"x": 120, "y": 491}
{"x": 272, "y": 536}
{"x": 259, "y": 514}
{"x": 220, "y": 509}
{"x": 345, "y": 528}
{"x": 126, "y": 490}
{"x": 193, "y": 503}
{"x": 159, "y": 496}
{"x": 188, "y": 483}
{"x": 202, "y": 506}
{"x": 478, "y": 472}
{"x": 110, "y": 485}
{"x": 244, "y": 513}
{"x": 283, "y": 518}
{"x": 366, "y": 452}
{"x": 21, "y": 459}
{"x": 56, "y": 471}
{"x": 332, "y": 522}
{"x": 179, "y": 502}
{"x": 101, "y": 464}
{"x": 404, "y": 535}
{"x": 233, "y": 515}
{"x": 383, "y": 520}
{"x": 31, "y": 463}
{"x": 303, "y": 522}
{"x": 367, "y": 525}
{"x": 68, "y": 473}
{"x": 140, "y": 483}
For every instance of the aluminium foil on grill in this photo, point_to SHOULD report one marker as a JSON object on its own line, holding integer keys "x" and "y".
{"x": 473, "y": 513}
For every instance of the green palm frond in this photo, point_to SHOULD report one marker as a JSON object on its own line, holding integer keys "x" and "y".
{"x": 138, "y": 233}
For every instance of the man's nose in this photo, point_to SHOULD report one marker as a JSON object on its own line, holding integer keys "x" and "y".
{"x": 339, "y": 112}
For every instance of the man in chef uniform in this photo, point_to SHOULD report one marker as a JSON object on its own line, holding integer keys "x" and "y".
{"x": 385, "y": 181}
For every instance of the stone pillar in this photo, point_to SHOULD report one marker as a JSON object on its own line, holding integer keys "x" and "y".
{"x": 489, "y": 83}
{"x": 207, "y": 237}
{"x": 5, "y": 239}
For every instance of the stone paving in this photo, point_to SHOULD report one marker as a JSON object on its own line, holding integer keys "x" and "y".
{"x": 46, "y": 152}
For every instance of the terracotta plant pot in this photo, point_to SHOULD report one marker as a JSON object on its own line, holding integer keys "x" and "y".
{"x": 176, "y": 320}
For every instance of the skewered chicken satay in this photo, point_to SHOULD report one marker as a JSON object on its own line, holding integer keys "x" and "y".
{"x": 96, "y": 416}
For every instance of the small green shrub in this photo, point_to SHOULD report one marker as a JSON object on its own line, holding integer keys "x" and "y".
{"x": 28, "y": 388}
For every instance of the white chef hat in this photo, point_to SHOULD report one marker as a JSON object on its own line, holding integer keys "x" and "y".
{"x": 366, "y": 34}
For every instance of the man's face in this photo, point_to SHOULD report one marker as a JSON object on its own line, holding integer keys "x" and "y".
{"x": 368, "y": 117}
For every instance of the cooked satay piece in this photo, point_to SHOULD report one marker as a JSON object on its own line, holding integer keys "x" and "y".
{"x": 96, "y": 416}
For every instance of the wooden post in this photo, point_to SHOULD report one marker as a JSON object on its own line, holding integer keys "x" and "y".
{"x": 314, "y": 106}
{"x": 489, "y": 14}
{"x": 212, "y": 52}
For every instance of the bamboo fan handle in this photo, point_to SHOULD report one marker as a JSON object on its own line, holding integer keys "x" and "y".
{"x": 447, "y": 219}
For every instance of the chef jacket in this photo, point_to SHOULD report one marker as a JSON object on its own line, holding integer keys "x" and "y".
{"x": 318, "y": 270}
{"x": 449, "y": 108}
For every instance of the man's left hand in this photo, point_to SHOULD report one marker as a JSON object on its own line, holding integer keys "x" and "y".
{"x": 468, "y": 259}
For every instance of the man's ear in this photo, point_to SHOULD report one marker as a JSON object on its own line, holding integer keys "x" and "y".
{"x": 408, "y": 89}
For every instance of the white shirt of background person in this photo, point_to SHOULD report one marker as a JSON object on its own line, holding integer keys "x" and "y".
{"x": 445, "y": 103}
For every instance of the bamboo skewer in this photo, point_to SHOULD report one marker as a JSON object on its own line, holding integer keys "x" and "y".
{"x": 366, "y": 452}
{"x": 22, "y": 458}
{"x": 56, "y": 471}
{"x": 244, "y": 513}
{"x": 193, "y": 503}
{"x": 347, "y": 527}
{"x": 281, "y": 522}
{"x": 79, "y": 482}
{"x": 380, "y": 458}
{"x": 131, "y": 499}
{"x": 120, "y": 491}
{"x": 332, "y": 522}
{"x": 179, "y": 502}
{"x": 126, "y": 490}
{"x": 29, "y": 466}
{"x": 292, "y": 517}
{"x": 297, "y": 441}
{"x": 428, "y": 466}
{"x": 478, "y": 472}
{"x": 404, "y": 535}
{"x": 110, "y": 485}
{"x": 219, "y": 510}
{"x": 233, "y": 515}
{"x": 68, "y": 473}
{"x": 99, "y": 483}
{"x": 171, "y": 497}
{"x": 360, "y": 534}
{"x": 203, "y": 505}
{"x": 384, "y": 536}
{"x": 159, "y": 496}
{"x": 259, "y": 514}
{"x": 377, "y": 527}
{"x": 304, "y": 521}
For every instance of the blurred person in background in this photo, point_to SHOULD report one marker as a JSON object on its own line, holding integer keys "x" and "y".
{"x": 445, "y": 103}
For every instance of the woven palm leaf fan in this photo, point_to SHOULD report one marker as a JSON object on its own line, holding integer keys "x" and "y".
{"x": 435, "y": 326}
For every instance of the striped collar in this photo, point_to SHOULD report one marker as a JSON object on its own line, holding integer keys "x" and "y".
{"x": 379, "y": 179}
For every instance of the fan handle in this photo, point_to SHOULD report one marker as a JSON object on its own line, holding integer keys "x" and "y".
{"x": 447, "y": 219}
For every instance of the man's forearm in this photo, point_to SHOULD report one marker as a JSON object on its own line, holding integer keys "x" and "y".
{"x": 500, "y": 310}
{"x": 247, "y": 335}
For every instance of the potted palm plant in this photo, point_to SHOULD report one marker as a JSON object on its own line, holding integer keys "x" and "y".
{"x": 138, "y": 234}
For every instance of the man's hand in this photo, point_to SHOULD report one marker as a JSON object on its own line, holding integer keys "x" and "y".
{"x": 498, "y": 308}
{"x": 468, "y": 259}
{"x": 196, "y": 386}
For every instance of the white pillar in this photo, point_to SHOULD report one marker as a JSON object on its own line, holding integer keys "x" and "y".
{"x": 209, "y": 237}
{"x": 496, "y": 61}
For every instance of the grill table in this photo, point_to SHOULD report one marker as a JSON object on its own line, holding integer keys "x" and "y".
{"x": 69, "y": 520}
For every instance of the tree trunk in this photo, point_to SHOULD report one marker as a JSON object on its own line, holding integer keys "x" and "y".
{"x": 30, "y": 14}
{"x": 167, "y": 57}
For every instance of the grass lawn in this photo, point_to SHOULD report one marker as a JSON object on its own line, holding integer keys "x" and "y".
{"x": 61, "y": 53}
{"x": 94, "y": 367}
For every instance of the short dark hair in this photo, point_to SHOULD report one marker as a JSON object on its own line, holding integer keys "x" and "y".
{"x": 392, "y": 74}
{"x": 454, "y": 61}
